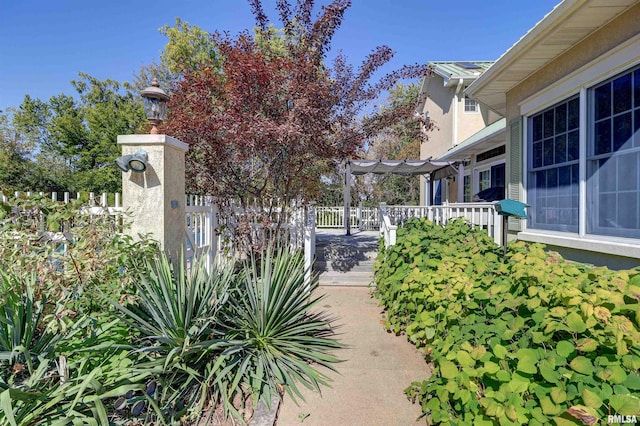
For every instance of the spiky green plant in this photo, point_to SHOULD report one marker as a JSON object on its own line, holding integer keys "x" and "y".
{"x": 276, "y": 335}
{"x": 176, "y": 314}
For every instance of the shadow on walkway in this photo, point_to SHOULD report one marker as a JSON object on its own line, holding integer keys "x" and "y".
{"x": 338, "y": 252}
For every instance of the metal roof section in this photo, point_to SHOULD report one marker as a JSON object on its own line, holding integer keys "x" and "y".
{"x": 567, "y": 24}
{"x": 487, "y": 138}
{"x": 453, "y": 71}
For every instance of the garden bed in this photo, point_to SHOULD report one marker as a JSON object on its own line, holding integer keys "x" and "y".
{"x": 529, "y": 339}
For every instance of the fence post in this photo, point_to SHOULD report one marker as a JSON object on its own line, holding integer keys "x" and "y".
{"x": 497, "y": 227}
{"x": 309, "y": 226}
{"x": 155, "y": 197}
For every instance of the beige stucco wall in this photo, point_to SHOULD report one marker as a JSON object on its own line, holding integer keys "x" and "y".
{"x": 600, "y": 42}
{"x": 440, "y": 104}
{"x": 154, "y": 199}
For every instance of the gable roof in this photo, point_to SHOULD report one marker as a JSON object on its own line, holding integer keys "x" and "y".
{"x": 567, "y": 24}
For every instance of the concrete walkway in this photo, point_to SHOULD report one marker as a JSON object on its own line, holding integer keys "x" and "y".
{"x": 377, "y": 367}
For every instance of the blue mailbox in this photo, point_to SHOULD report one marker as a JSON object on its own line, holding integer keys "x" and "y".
{"x": 509, "y": 207}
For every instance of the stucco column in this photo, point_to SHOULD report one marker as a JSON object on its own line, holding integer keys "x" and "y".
{"x": 154, "y": 199}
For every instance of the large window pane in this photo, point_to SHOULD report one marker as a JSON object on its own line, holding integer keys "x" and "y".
{"x": 561, "y": 118}
{"x": 537, "y": 154}
{"x": 574, "y": 114}
{"x": 602, "y": 101}
{"x": 548, "y": 124}
{"x": 561, "y": 149}
{"x": 553, "y": 175}
{"x": 622, "y": 132}
{"x": 613, "y": 186}
{"x": 573, "y": 145}
{"x": 628, "y": 210}
{"x": 636, "y": 126}
{"x": 636, "y": 88}
{"x": 537, "y": 128}
{"x": 547, "y": 152}
{"x": 627, "y": 173}
{"x": 607, "y": 175}
{"x": 622, "y": 94}
{"x": 603, "y": 137}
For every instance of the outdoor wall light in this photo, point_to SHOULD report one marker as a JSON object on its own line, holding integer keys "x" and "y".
{"x": 155, "y": 105}
{"x": 136, "y": 162}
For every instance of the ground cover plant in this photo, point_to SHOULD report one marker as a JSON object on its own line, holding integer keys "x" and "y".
{"x": 533, "y": 339}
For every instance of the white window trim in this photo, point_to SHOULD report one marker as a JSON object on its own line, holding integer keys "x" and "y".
{"x": 481, "y": 167}
{"x": 625, "y": 247}
{"x": 612, "y": 63}
{"x": 464, "y": 105}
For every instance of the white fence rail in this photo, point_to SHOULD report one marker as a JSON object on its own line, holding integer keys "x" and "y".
{"x": 207, "y": 232}
{"x": 363, "y": 218}
{"x": 483, "y": 215}
{"x": 112, "y": 201}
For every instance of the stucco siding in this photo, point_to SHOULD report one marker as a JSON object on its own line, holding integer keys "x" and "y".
{"x": 438, "y": 104}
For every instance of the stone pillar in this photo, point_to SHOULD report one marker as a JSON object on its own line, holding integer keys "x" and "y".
{"x": 154, "y": 199}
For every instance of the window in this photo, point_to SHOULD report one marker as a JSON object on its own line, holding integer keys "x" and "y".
{"x": 484, "y": 179}
{"x": 470, "y": 105}
{"x": 612, "y": 161}
{"x": 553, "y": 167}
{"x": 467, "y": 188}
{"x": 613, "y": 156}
{"x": 437, "y": 196}
{"x": 492, "y": 179}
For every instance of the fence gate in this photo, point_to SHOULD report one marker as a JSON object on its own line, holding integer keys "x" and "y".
{"x": 368, "y": 218}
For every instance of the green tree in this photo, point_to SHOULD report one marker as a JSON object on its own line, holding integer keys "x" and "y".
{"x": 188, "y": 49}
{"x": 12, "y": 158}
{"x": 74, "y": 140}
{"x": 401, "y": 141}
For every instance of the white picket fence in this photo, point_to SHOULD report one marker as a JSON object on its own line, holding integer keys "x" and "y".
{"x": 483, "y": 215}
{"x": 207, "y": 232}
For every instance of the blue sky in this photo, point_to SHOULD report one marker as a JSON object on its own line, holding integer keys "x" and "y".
{"x": 45, "y": 43}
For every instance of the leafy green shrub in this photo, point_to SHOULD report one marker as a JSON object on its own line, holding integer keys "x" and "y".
{"x": 54, "y": 374}
{"x": 531, "y": 340}
{"x": 74, "y": 255}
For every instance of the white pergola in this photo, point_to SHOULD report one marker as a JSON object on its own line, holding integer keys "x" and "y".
{"x": 397, "y": 167}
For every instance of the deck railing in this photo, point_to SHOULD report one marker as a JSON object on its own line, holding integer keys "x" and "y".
{"x": 483, "y": 215}
{"x": 363, "y": 218}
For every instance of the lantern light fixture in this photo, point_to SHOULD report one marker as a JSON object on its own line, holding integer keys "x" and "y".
{"x": 155, "y": 105}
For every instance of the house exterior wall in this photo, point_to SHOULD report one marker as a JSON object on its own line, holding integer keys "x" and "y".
{"x": 574, "y": 74}
{"x": 470, "y": 123}
{"x": 438, "y": 104}
{"x": 452, "y": 126}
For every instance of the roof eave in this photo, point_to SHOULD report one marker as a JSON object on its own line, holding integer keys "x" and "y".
{"x": 547, "y": 23}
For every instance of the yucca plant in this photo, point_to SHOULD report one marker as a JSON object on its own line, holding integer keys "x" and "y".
{"x": 22, "y": 336}
{"x": 276, "y": 335}
{"x": 58, "y": 376}
{"x": 176, "y": 315}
